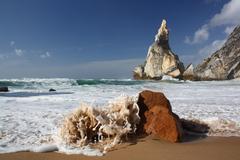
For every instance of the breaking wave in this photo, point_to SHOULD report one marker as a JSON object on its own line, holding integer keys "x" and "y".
{"x": 108, "y": 82}
{"x": 101, "y": 128}
{"x": 63, "y": 82}
{"x": 30, "y": 119}
{"x": 27, "y": 82}
{"x": 222, "y": 127}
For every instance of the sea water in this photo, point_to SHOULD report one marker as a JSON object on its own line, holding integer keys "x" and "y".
{"x": 30, "y": 115}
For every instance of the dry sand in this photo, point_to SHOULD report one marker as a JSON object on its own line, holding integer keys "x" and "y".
{"x": 210, "y": 148}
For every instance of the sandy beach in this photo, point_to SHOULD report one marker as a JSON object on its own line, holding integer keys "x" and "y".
{"x": 210, "y": 148}
{"x": 120, "y": 80}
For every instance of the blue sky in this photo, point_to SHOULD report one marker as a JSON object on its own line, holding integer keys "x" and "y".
{"x": 105, "y": 38}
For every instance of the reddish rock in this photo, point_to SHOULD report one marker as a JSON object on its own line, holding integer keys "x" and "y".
{"x": 157, "y": 117}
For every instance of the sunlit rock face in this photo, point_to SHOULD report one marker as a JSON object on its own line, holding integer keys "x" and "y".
{"x": 223, "y": 64}
{"x": 160, "y": 59}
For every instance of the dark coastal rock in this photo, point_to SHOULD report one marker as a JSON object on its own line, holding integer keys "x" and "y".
{"x": 223, "y": 64}
{"x": 52, "y": 90}
{"x": 4, "y": 89}
{"x": 194, "y": 126}
{"x": 160, "y": 59}
{"x": 157, "y": 117}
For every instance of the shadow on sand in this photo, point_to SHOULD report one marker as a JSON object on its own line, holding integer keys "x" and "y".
{"x": 192, "y": 131}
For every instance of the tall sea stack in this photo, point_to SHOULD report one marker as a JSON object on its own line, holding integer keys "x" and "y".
{"x": 160, "y": 59}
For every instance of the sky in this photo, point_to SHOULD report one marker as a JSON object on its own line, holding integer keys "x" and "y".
{"x": 105, "y": 38}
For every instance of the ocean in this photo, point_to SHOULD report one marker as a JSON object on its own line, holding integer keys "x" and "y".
{"x": 30, "y": 115}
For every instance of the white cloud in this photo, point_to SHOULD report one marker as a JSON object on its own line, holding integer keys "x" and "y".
{"x": 228, "y": 16}
{"x": 200, "y": 35}
{"x": 203, "y": 52}
{"x": 211, "y": 48}
{"x": 45, "y": 55}
{"x": 12, "y": 43}
{"x": 18, "y": 52}
{"x": 228, "y": 30}
{"x": 187, "y": 40}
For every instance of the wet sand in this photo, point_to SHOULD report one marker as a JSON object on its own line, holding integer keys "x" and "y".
{"x": 210, "y": 148}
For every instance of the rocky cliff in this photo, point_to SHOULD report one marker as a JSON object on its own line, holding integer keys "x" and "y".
{"x": 160, "y": 59}
{"x": 223, "y": 64}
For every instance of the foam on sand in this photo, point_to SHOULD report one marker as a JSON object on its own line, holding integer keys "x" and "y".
{"x": 30, "y": 116}
{"x": 101, "y": 128}
{"x": 222, "y": 127}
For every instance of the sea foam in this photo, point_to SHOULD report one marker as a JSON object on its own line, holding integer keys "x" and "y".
{"x": 102, "y": 127}
{"x": 30, "y": 117}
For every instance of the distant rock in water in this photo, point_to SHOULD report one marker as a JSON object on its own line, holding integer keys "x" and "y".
{"x": 160, "y": 59}
{"x": 52, "y": 90}
{"x": 223, "y": 64}
{"x": 4, "y": 89}
{"x": 188, "y": 74}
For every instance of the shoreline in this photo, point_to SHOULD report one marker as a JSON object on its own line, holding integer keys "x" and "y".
{"x": 209, "y": 148}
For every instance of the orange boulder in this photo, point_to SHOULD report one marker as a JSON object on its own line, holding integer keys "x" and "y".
{"x": 157, "y": 117}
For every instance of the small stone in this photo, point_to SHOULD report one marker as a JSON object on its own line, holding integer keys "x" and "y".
{"x": 52, "y": 90}
{"x": 4, "y": 89}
